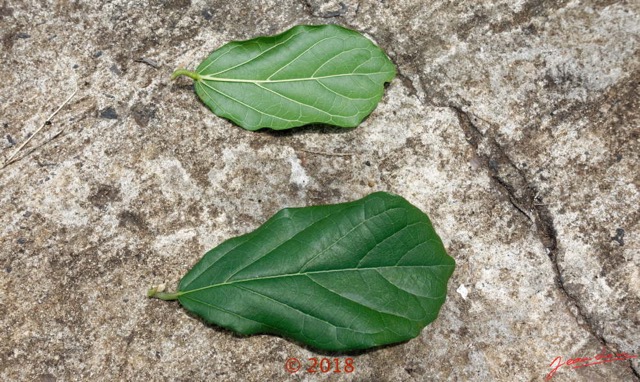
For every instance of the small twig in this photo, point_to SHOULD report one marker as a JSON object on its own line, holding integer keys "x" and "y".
{"x": 152, "y": 63}
{"x": 327, "y": 153}
{"x": 48, "y": 120}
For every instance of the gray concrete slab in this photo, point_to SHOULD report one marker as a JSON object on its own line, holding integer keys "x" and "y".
{"x": 514, "y": 125}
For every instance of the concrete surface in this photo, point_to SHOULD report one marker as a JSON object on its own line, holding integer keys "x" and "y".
{"x": 514, "y": 125}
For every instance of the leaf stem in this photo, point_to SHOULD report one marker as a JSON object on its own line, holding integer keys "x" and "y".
{"x": 184, "y": 72}
{"x": 154, "y": 293}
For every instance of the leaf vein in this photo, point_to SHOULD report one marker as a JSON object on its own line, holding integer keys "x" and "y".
{"x": 184, "y": 292}
{"x": 300, "y": 79}
{"x": 300, "y": 55}
{"x": 345, "y": 235}
{"x": 257, "y": 56}
{"x": 248, "y": 106}
{"x": 375, "y": 310}
{"x": 227, "y": 311}
{"x": 283, "y": 243}
{"x": 300, "y": 311}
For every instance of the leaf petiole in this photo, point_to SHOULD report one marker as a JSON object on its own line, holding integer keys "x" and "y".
{"x": 184, "y": 72}
{"x": 154, "y": 293}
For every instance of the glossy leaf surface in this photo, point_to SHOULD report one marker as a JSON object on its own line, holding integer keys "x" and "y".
{"x": 336, "y": 277}
{"x": 308, "y": 74}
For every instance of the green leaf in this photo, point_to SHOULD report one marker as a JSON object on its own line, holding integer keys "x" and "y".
{"x": 336, "y": 277}
{"x": 308, "y": 74}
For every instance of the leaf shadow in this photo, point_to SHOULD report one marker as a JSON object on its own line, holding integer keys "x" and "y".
{"x": 313, "y": 128}
{"x": 342, "y": 353}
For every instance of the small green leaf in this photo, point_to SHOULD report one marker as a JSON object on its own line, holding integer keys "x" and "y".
{"x": 308, "y": 74}
{"x": 336, "y": 277}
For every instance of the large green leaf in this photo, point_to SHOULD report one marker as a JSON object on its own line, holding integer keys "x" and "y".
{"x": 308, "y": 74}
{"x": 336, "y": 277}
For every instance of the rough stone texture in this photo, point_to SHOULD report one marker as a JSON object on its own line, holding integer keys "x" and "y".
{"x": 514, "y": 125}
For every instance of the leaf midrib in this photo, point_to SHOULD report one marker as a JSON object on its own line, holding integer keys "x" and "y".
{"x": 183, "y": 293}
{"x": 223, "y": 79}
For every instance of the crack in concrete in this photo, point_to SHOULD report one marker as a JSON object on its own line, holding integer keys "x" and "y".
{"x": 406, "y": 81}
{"x": 522, "y": 196}
{"x": 510, "y": 178}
